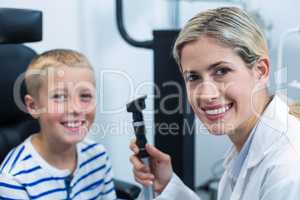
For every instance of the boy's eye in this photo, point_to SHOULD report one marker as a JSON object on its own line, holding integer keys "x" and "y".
{"x": 222, "y": 71}
{"x": 59, "y": 97}
{"x": 86, "y": 97}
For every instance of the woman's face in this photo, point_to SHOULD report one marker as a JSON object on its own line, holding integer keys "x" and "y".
{"x": 220, "y": 87}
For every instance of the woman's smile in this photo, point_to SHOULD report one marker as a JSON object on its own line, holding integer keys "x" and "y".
{"x": 216, "y": 112}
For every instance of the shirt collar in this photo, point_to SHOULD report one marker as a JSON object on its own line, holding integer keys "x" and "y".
{"x": 239, "y": 160}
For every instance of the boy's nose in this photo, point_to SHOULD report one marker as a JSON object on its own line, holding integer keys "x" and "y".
{"x": 73, "y": 108}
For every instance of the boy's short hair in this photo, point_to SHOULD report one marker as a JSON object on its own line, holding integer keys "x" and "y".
{"x": 53, "y": 58}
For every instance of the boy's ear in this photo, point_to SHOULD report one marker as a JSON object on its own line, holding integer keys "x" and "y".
{"x": 31, "y": 106}
{"x": 262, "y": 69}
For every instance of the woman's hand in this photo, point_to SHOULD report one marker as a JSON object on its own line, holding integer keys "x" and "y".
{"x": 161, "y": 168}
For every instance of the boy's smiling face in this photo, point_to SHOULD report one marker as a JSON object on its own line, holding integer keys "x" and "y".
{"x": 66, "y": 104}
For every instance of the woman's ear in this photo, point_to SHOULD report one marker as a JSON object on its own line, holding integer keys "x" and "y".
{"x": 31, "y": 106}
{"x": 262, "y": 69}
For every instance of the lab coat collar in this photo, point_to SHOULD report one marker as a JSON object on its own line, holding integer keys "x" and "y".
{"x": 271, "y": 126}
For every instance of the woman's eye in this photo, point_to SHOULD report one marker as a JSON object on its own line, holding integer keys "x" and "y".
{"x": 222, "y": 71}
{"x": 191, "y": 77}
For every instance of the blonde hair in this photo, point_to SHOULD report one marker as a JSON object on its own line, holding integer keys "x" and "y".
{"x": 53, "y": 58}
{"x": 230, "y": 26}
{"x": 295, "y": 109}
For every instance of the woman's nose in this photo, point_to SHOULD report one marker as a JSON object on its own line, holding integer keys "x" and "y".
{"x": 208, "y": 91}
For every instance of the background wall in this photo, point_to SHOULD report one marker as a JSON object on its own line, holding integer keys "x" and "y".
{"x": 61, "y": 27}
{"x": 125, "y": 72}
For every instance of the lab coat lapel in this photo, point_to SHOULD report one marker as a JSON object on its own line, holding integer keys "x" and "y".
{"x": 241, "y": 182}
{"x": 272, "y": 125}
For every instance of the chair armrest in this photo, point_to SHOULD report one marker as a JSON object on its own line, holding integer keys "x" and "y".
{"x": 126, "y": 190}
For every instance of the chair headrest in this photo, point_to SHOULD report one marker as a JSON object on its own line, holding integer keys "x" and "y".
{"x": 14, "y": 61}
{"x": 20, "y": 25}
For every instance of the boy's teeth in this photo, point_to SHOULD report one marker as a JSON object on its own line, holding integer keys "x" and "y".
{"x": 217, "y": 111}
{"x": 73, "y": 124}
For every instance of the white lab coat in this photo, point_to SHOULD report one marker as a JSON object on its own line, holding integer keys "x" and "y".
{"x": 271, "y": 170}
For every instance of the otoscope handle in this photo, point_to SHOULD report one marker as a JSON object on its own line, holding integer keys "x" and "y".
{"x": 148, "y": 190}
{"x": 141, "y": 140}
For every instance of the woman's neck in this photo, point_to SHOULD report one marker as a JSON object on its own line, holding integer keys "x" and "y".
{"x": 57, "y": 155}
{"x": 241, "y": 134}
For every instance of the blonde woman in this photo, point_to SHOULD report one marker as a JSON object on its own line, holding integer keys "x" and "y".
{"x": 223, "y": 57}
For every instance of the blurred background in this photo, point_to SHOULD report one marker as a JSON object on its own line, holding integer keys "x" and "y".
{"x": 125, "y": 72}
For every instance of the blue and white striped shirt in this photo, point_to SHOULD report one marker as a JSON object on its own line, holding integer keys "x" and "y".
{"x": 26, "y": 175}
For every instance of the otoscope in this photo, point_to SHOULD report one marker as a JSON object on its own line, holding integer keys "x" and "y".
{"x": 136, "y": 107}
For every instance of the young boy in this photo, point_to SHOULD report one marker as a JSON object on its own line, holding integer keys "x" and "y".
{"x": 57, "y": 162}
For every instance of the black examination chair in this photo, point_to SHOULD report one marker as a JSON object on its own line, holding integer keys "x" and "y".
{"x": 16, "y": 27}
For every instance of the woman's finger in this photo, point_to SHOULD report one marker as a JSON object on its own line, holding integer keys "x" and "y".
{"x": 138, "y": 165}
{"x": 155, "y": 153}
{"x": 143, "y": 182}
{"x": 143, "y": 175}
{"x": 133, "y": 146}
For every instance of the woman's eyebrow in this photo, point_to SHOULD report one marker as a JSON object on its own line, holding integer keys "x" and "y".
{"x": 216, "y": 64}
{"x": 209, "y": 68}
{"x": 189, "y": 72}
